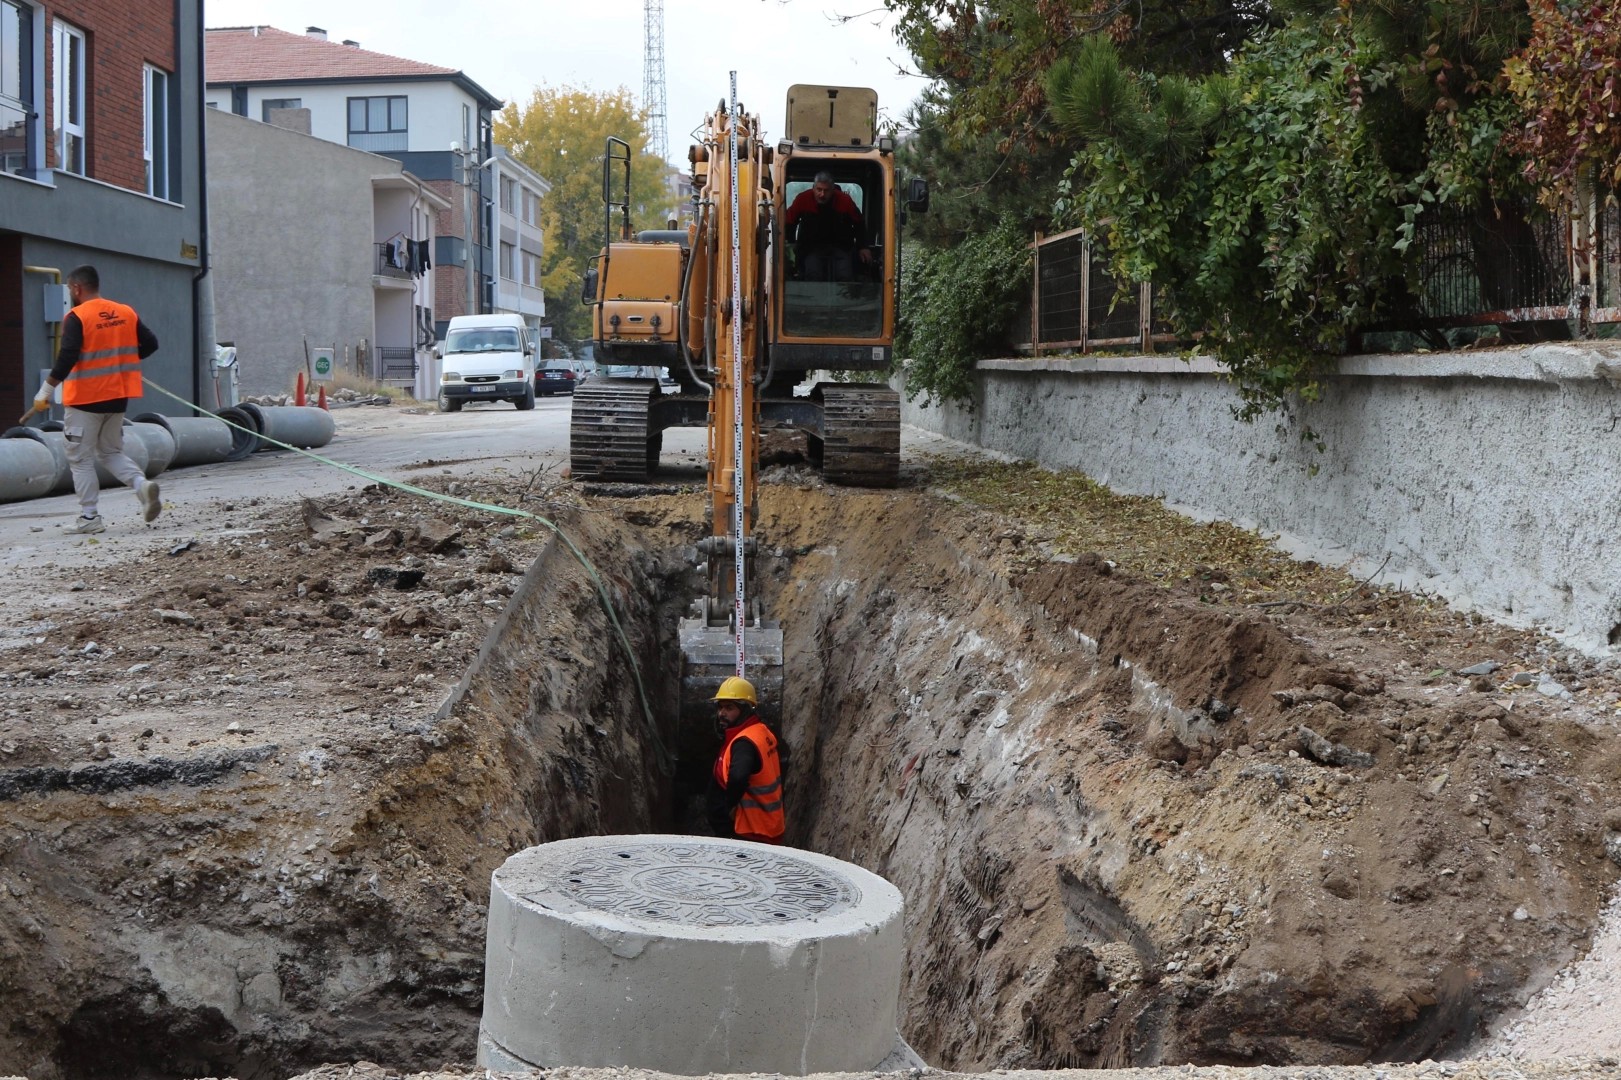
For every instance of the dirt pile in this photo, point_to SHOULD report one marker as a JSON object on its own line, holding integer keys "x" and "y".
{"x": 254, "y": 789}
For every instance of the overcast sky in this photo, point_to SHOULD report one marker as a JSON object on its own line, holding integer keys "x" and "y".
{"x": 597, "y": 44}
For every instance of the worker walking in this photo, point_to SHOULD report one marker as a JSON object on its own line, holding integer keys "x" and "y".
{"x": 745, "y": 790}
{"x": 99, "y": 369}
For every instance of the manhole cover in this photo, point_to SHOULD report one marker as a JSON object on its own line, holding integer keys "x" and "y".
{"x": 694, "y": 884}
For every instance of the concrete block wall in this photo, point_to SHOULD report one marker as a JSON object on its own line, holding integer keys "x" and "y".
{"x": 1492, "y": 478}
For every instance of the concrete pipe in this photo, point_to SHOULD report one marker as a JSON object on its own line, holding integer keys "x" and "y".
{"x": 159, "y": 445}
{"x": 27, "y": 469}
{"x": 244, "y": 432}
{"x": 303, "y": 426}
{"x": 691, "y": 955}
{"x": 198, "y": 440}
{"x": 57, "y": 444}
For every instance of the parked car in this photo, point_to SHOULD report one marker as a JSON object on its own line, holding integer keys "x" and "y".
{"x": 555, "y": 377}
{"x": 486, "y": 358}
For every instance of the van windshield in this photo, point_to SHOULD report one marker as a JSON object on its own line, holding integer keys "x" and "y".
{"x": 482, "y": 339}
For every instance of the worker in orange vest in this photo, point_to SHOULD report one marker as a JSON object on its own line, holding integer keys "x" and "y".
{"x": 99, "y": 369}
{"x": 745, "y": 790}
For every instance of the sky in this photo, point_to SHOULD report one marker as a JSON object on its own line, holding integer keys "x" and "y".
{"x": 598, "y": 45}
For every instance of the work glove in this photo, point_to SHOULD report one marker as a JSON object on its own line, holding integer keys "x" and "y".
{"x": 42, "y": 400}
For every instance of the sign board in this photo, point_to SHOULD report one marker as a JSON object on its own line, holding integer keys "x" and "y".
{"x": 545, "y": 333}
{"x": 321, "y": 364}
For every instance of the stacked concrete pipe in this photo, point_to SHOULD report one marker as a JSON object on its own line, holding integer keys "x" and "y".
{"x": 691, "y": 955}
{"x": 198, "y": 440}
{"x": 303, "y": 426}
{"x": 160, "y": 447}
{"x": 27, "y": 467}
{"x": 244, "y": 428}
{"x": 55, "y": 444}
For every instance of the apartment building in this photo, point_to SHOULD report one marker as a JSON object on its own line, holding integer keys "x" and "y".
{"x": 101, "y": 162}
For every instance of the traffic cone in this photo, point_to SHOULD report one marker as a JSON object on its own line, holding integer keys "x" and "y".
{"x": 320, "y": 397}
{"x": 298, "y": 394}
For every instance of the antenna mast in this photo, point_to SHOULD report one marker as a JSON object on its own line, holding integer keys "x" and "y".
{"x": 658, "y": 140}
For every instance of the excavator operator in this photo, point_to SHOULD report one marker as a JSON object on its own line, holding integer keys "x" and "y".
{"x": 745, "y": 790}
{"x": 828, "y": 233}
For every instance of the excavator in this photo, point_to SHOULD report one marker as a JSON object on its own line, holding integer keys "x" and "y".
{"x": 736, "y": 313}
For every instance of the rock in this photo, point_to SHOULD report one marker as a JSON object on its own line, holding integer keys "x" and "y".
{"x": 394, "y": 577}
{"x": 1612, "y": 847}
{"x": 989, "y": 930}
{"x": 1485, "y": 667}
{"x": 1549, "y": 688}
{"x": 1322, "y": 750}
{"x": 175, "y": 617}
{"x": 383, "y": 538}
{"x": 1524, "y": 678}
{"x": 1219, "y": 711}
{"x": 1521, "y": 915}
{"x": 1337, "y": 881}
{"x": 497, "y": 563}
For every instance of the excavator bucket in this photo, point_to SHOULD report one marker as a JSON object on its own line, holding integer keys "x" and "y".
{"x": 709, "y": 656}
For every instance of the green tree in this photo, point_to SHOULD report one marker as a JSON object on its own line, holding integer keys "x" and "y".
{"x": 560, "y": 132}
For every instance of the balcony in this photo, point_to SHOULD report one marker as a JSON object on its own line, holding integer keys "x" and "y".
{"x": 391, "y": 261}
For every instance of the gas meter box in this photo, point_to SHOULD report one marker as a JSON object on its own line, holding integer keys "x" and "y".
{"x": 57, "y": 303}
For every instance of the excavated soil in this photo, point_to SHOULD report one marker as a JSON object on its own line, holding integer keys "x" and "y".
{"x": 253, "y": 790}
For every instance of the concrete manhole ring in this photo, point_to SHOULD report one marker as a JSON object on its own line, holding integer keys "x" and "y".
{"x": 695, "y": 885}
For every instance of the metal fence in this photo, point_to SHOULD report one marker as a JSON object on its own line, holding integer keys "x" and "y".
{"x": 396, "y": 363}
{"x": 1503, "y": 265}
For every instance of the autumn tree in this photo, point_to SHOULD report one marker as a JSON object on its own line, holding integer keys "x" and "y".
{"x": 560, "y": 133}
{"x": 1567, "y": 82}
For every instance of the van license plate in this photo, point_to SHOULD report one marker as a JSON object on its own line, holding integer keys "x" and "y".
{"x": 485, "y": 389}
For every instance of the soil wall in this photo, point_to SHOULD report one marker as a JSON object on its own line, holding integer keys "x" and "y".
{"x": 1490, "y": 477}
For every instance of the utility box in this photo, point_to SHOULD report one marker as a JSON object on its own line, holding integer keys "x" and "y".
{"x": 832, "y": 115}
{"x": 57, "y": 303}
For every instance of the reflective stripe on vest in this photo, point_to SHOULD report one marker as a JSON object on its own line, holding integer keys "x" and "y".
{"x": 759, "y": 813}
{"x": 109, "y": 364}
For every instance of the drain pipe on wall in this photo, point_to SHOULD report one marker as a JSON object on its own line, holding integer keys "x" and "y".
{"x": 202, "y": 284}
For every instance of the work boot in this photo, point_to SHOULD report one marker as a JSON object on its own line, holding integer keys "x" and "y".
{"x": 84, "y": 526}
{"x": 151, "y": 501}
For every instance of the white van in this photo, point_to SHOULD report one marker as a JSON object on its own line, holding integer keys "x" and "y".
{"x": 486, "y": 358}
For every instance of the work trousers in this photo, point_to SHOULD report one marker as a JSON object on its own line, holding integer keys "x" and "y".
{"x": 92, "y": 439}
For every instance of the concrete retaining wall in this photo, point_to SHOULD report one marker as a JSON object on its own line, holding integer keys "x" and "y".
{"x": 1492, "y": 478}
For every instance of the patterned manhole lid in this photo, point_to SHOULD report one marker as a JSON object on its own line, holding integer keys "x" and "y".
{"x": 696, "y": 884}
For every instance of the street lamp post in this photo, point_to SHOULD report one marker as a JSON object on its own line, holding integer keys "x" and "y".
{"x": 468, "y": 170}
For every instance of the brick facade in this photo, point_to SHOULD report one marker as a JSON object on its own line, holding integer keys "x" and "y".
{"x": 120, "y": 39}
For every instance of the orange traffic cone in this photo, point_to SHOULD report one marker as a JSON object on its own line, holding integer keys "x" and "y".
{"x": 298, "y": 394}
{"x": 320, "y": 400}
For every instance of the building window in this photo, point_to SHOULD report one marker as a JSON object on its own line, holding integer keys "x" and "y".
{"x": 268, "y": 104}
{"x": 508, "y": 254}
{"x": 531, "y": 269}
{"x": 67, "y": 42}
{"x": 508, "y": 188}
{"x": 377, "y": 123}
{"x": 156, "y": 145}
{"x": 17, "y": 150}
{"x": 531, "y": 207}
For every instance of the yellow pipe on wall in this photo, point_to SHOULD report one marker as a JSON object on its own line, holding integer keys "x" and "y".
{"x": 56, "y": 333}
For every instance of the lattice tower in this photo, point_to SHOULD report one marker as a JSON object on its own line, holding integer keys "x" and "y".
{"x": 658, "y": 140}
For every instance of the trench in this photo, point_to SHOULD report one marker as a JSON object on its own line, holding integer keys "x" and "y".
{"x": 1036, "y": 752}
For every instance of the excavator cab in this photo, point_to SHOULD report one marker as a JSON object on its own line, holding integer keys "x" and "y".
{"x": 831, "y": 293}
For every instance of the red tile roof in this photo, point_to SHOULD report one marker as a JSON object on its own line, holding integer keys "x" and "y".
{"x": 260, "y": 54}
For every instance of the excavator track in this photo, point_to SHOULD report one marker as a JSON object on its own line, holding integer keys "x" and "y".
{"x": 861, "y": 434}
{"x": 609, "y": 432}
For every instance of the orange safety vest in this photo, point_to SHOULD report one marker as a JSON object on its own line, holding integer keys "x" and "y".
{"x": 759, "y": 815}
{"x": 109, "y": 365}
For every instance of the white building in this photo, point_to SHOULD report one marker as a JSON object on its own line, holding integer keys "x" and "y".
{"x": 434, "y": 120}
{"x": 519, "y": 238}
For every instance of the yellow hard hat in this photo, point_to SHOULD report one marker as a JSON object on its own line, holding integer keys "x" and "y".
{"x": 736, "y": 689}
